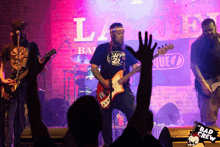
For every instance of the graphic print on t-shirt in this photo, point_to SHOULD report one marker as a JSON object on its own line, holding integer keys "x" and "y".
{"x": 117, "y": 58}
{"x": 23, "y": 54}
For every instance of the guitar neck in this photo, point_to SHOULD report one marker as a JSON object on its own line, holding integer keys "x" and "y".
{"x": 128, "y": 75}
{"x": 44, "y": 57}
{"x": 22, "y": 75}
{"x": 155, "y": 56}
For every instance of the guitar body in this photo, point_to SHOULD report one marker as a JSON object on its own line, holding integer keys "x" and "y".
{"x": 214, "y": 86}
{"x": 103, "y": 94}
{"x": 7, "y": 91}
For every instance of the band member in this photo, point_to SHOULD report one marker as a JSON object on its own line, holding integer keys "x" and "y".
{"x": 205, "y": 64}
{"x": 113, "y": 57}
{"x": 26, "y": 92}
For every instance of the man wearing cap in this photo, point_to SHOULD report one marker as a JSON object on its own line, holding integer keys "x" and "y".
{"x": 113, "y": 57}
{"x": 26, "y": 92}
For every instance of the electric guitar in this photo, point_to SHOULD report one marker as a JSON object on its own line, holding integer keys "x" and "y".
{"x": 8, "y": 90}
{"x": 213, "y": 85}
{"x": 103, "y": 95}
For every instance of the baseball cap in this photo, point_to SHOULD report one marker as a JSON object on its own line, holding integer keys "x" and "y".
{"x": 18, "y": 24}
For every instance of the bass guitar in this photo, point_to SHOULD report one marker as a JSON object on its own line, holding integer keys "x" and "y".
{"x": 8, "y": 90}
{"x": 103, "y": 95}
{"x": 213, "y": 85}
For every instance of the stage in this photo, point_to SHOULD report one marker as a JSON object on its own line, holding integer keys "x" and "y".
{"x": 63, "y": 139}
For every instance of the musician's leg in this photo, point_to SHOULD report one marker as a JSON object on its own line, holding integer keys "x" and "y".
{"x": 208, "y": 110}
{"x": 9, "y": 119}
{"x": 127, "y": 105}
{"x": 38, "y": 129}
{"x": 19, "y": 125}
{"x": 106, "y": 126}
{"x": 216, "y": 103}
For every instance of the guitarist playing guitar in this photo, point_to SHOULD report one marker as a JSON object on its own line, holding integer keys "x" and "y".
{"x": 30, "y": 64}
{"x": 103, "y": 94}
{"x": 113, "y": 57}
{"x": 205, "y": 64}
{"x": 115, "y": 60}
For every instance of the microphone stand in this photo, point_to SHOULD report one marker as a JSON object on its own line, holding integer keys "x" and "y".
{"x": 57, "y": 51}
{"x": 110, "y": 85}
{"x": 17, "y": 82}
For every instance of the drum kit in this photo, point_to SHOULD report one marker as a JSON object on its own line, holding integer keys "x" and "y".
{"x": 85, "y": 80}
{"x": 55, "y": 109}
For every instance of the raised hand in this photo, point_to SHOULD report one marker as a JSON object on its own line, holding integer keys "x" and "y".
{"x": 142, "y": 118}
{"x": 145, "y": 52}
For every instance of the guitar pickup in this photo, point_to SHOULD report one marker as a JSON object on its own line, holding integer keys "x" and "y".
{"x": 105, "y": 92}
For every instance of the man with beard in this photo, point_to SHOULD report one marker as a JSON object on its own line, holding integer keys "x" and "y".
{"x": 114, "y": 57}
{"x": 205, "y": 64}
{"x": 26, "y": 92}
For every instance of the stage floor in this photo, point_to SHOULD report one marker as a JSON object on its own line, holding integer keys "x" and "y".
{"x": 179, "y": 136}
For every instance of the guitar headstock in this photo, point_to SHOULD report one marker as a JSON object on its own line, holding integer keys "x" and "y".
{"x": 163, "y": 50}
{"x": 51, "y": 52}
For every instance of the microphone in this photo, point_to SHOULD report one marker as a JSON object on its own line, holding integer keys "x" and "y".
{"x": 18, "y": 32}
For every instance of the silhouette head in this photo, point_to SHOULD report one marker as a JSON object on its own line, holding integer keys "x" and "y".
{"x": 85, "y": 120}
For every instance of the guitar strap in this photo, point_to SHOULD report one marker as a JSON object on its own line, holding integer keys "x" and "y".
{"x": 123, "y": 57}
{"x": 25, "y": 60}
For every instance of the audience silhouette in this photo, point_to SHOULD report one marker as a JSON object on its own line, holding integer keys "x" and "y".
{"x": 85, "y": 121}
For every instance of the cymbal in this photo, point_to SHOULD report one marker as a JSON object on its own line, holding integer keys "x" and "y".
{"x": 81, "y": 58}
{"x": 82, "y": 73}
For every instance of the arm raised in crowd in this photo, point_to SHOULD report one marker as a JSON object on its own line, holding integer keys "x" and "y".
{"x": 141, "y": 121}
{"x": 142, "y": 118}
{"x": 145, "y": 56}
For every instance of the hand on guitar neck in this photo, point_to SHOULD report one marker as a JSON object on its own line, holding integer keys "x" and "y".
{"x": 43, "y": 61}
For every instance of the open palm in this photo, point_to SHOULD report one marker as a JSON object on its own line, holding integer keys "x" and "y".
{"x": 145, "y": 52}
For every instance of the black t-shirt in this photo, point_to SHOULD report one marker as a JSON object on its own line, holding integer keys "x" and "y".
{"x": 122, "y": 59}
{"x": 28, "y": 57}
{"x": 206, "y": 55}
